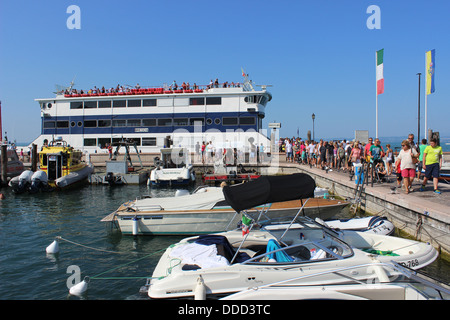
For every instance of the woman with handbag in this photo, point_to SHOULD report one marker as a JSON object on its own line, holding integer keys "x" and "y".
{"x": 408, "y": 157}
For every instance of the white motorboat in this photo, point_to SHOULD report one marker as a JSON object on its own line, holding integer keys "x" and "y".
{"x": 228, "y": 262}
{"x": 390, "y": 281}
{"x": 372, "y": 224}
{"x": 206, "y": 210}
{"x": 172, "y": 169}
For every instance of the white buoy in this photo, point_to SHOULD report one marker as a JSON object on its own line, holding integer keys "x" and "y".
{"x": 135, "y": 226}
{"x": 53, "y": 247}
{"x": 80, "y": 288}
{"x": 200, "y": 289}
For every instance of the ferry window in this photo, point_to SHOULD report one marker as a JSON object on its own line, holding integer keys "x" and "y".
{"x": 229, "y": 121}
{"x": 49, "y": 124}
{"x": 137, "y": 140}
{"x": 90, "y": 123}
{"x": 208, "y": 121}
{"x": 200, "y": 121}
{"x": 148, "y": 122}
{"x": 149, "y": 103}
{"x": 90, "y": 104}
{"x": 72, "y": 124}
{"x": 247, "y": 121}
{"x": 255, "y": 99}
{"x": 217, "y": 120}
{"x": 134, "y": 123}
{"x": 164, "y": 122}
{"x": 76, "y": 105}
{"x": 197, "y": 101}
{"x": 104, "y": 104}
{"x": 103, "y": 141}
{"x": 263, "y": 100}
{"x": 62, "y": 124}
{"x": 134, "y": 103}
{"x": 213, "y": 100}
{"x": 180, "y": 121}
{"x": 49, "y": 105}
{"x": 149, "y": 141}
{"x": 104, "y": 123}
{"x": 119, "y": 103}
{"x": 90, "y": 142}
{"x": 79, "y": 123}
{"x": 119, "y": 123}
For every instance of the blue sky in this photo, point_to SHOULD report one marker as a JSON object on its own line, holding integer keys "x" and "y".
{"x": 319, "y": 57}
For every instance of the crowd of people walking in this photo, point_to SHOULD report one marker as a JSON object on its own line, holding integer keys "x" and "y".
{"x": 346, "y": 155}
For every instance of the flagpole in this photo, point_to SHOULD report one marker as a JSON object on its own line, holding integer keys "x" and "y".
{"x": 376, "y": 100}
{"x": 426, "y": 98}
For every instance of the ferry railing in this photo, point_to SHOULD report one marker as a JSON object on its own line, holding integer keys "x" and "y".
{"x": 165, "y": 89}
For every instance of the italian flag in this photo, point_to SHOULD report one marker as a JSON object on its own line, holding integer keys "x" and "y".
{"x": 380, "y": 77}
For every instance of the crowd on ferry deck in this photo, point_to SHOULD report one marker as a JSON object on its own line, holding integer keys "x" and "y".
{"x": 344, "y": 155}
{"x": 174, "y": 86}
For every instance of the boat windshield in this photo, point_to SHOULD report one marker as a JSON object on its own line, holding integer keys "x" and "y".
{"x": 301, "y": 242}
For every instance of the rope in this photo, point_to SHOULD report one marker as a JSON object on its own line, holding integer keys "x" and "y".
{"x": 97, "y": 277}
{"x": 84, "y": 246}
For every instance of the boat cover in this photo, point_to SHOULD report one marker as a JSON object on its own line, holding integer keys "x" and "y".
{"x": 269, "y": 189}
{"x": 205, "y": 200}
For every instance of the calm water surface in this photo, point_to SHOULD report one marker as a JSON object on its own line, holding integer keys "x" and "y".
{"x": 29, "y": 223}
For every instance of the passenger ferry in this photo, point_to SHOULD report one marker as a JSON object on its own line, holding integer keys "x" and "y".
{"x": 229, "y": 115}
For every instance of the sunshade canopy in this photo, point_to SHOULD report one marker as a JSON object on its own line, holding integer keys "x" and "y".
{"x": 269, "y": 189}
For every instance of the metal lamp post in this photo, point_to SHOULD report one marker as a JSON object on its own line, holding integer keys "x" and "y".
{"x": 313, "y": 117}
{"x": 418, "y": 114}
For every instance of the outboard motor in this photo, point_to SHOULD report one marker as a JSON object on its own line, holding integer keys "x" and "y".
{"x": 39, "y": 181}
{"x": 109, "y": 177}
{"x": 24, "y": 181}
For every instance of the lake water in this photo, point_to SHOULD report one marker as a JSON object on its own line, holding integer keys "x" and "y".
{"x": 117, "y": 265}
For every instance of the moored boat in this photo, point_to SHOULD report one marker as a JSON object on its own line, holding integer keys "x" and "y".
{"x": 206, "y": 210}
{"x": 173, "y": 168}
{"x": 390, "y": 281}
{"x": 63, "y": 165}
{"x": 211, "y": 266}
{"x": 14, "y": 166}
{"x": 373, "y": 224}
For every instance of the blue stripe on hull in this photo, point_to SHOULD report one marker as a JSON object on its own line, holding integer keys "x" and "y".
{"x": 76, "y": 129}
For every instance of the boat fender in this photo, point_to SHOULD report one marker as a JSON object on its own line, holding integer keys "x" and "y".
{"x": 53, "y": 247}
{"x": 80, "y": 288}
{"x": 135, "y": 226}
{"x": 200, "y": 289}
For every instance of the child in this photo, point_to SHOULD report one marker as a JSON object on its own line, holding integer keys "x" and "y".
{"x": 381, "y": 170}
{"x": 399, "y": 174}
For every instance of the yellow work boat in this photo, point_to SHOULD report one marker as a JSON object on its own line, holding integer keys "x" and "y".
{"x": 63, "y": 164}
